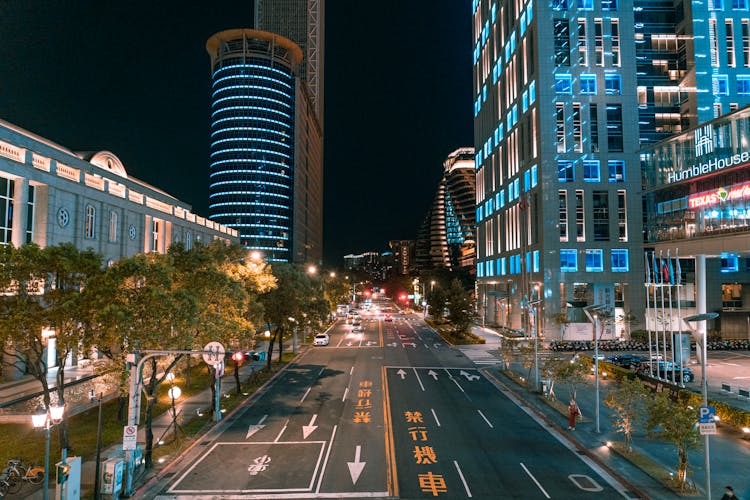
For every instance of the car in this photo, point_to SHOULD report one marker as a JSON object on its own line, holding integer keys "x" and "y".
{"x": 630, "y": 361}
{"x": 357, "y": 328}
{"x": 321, "y": 339}
{"x": 666, "y": 370}
{"x": 388, "y": 317}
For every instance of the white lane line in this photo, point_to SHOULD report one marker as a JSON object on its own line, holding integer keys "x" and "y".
{"x": 325, "y": 461}
{"x": 534, "y": 479}
{"x": 426, "y": 346}
{"x": 454, "y": 381}
{"x": 485, "y": 418}
{"x": 435, "y": 415}
{"x": 321, "y": 371}
{"x": 282, "y": 432}
{"x": 306, "y": 393}
{"x": 346, "y": 392}
{"x": 351, "y": 371}
{"x": 463, "y": 480}
{"x": 419, "y": 379}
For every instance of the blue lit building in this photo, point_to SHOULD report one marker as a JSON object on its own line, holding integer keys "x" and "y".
{"x": 252, "y": 138}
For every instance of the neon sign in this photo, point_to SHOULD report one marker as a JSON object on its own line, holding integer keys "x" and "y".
{"x": 721, "y": 195}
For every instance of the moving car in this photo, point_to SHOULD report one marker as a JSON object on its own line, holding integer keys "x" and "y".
{"x": 630, "y": 361}
{"x": 321, "y": 339}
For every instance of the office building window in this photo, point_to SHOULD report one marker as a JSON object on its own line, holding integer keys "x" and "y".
{"x": 588, "y": 84}
{"x": 609, "y": 4}
{"x": 729, "y": 32}
{"x": 585, "y": 4}
{"x": 598, "y": 43}
{"x": 615, "y": 40}
{"x": 563, "y": 221}
{"x": 614, "y": 127}
{"x": 642, "y": 93}
{"x": 743, "y": 84}
{"x": 558, "y": 5}
{"x": 729, "y": 263}
{"x": 535, "y": 261}
{"x": 568, "y": 261}
{"x": 155, "y": 227}
{"x": 619, "y": 260}
{"x": 583, "y": 57}
{"x": 591, "y": 171}
{"x": 739, "y": 4}
{"x": 30, "y": 208}
{"x": 580, "y": 216}
{"x": 622, "y": 216}
{"x": 713, "y": 43}
{"x": 733, "y": 106}
{"x": 90, "y": 222}
{"x": 616, "y": 170}
{"x": 112, "y": 226}
{"x": 7, "y": 187}
{"x": 720, "y": 85}
{"x": 715, "y": 4}
{"x": 594, "y": 259}
{"x": 594, "y": 126}
{"x": 746, "y": 42}
{"x": 717, "y": 107}
{"x": 600, "y": 215}
{"x": 563, "y": 84}
{"x": 565, "y": 171}
{"x": 613, "y": 84}
{"x": 560, "y": 126}
{"x": 577, "y": 128}
{"x": 562, "y": 42}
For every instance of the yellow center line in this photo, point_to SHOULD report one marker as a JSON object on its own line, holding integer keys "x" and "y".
{"x": 390, "y": 457}
{"x": 380, "y": 332}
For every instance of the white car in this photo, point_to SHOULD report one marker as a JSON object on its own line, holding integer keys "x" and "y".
{"x": 321, "y": 339}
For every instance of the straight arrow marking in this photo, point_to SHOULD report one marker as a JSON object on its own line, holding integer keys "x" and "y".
{"x": 255, "y": 428}
{"x": 401, "y": 373}
{"x": 432, "y": 374}
{"x": 356, "y": 467}
{"x": 309, "y": 428}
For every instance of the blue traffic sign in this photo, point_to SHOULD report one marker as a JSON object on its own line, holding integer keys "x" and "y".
{"x": 706, "y": 414}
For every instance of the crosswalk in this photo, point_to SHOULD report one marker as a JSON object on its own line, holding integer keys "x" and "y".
{"x": 479, "y": 355}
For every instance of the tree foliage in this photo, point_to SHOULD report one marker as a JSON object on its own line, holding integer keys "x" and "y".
{"x": 437, "y": 298}
{"x": 460, "y": 307}
{"x": 628, "y": 402}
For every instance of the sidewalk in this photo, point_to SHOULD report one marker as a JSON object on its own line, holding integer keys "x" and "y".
{"x": 729, "y": 453}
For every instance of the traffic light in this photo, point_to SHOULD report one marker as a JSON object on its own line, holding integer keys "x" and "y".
{"x": 62, "y": 473}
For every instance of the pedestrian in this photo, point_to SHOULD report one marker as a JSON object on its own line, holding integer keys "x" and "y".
{"x": 729, "y": 494}
{"x": 573, "y": 413}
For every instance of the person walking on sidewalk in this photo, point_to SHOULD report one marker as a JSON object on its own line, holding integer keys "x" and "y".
{"x": 729, "y": 495}
{"x": 573, "y": 413}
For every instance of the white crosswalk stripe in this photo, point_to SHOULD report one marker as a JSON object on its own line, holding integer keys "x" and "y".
{"x": 480, "y": 355}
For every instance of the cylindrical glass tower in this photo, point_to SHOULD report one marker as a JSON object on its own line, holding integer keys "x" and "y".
{"x": 252, "y": 137}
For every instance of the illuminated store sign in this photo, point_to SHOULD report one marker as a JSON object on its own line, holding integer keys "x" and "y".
{"x": 708, "y": 167}
{"x": 721, "y": 195}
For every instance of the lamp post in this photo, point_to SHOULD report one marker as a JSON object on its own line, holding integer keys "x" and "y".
{"x": 294, "y": 335}
{"x": 92, "y": 397}
{"x": 535, "y": 305}
{"x": 174, "y": 394}
{"x": 704, "y": 381}
{"x": 591, "y": 313}
{"x": 45, "y": 419}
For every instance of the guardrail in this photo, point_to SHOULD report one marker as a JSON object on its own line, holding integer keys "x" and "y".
{"x": 742, "y": 392}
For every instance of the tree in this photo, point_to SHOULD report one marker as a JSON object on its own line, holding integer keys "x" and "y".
{"x": 437, "y": 299}
{"x": 674, "y": 422}
{"x": 628, "y": 402}
{"x": 573, "y": 373}
{"x": 460, "y": 308}
{"x": 507, "y": 352}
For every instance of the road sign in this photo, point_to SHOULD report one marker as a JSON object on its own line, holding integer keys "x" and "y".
{"x": 706, "y": 414}
{"x": 213, "y": 353}
{"x": 707, "y": 429}
{"x": 129, "y": 437}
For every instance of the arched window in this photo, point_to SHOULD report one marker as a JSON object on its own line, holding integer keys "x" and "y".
{"x": 90, "y": 228}
{"x": 113, "y": 226}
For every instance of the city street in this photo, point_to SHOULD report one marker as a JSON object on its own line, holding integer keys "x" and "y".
{"x": 392, "y": 411}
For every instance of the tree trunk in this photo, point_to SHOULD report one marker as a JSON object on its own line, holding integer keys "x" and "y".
{"x": 237, "y": 376}
{"x": 60, "y": 389}
{"x": 270, "y": 349}
{"x": 187, "y": 372}
{"x": 148, "y": 452}
{"x": 212, "y": 373}
{"x": 281, "y": 343}
{"x": 122, "y": 406}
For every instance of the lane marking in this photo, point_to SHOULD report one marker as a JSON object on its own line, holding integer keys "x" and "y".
{"x": 435, "y": 415}
{"x": 351, "y": 371}
{"x": 306, "y": 393}
{"x": 325, "y": 460}
{"x": 346, "y": 392}
{"x": 390, "y": 449}
{"x": 419, "y": 380}
{"x": 534, "y": 479}
{"x": 592, "y": 485}
{"x": 282, "y": 432}
{"x": 321, "y": 372}
{"x": 454, "y": 380}
{"x": 463, "y": 480}
{"x": 485, "y": 418}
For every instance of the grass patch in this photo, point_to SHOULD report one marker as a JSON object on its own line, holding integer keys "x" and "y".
{"x": 655, "y": 470}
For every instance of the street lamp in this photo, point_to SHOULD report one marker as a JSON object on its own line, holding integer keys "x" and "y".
{"x": 589, "y": 310}
{"x": 695, "y": 318}
{"x": 535, "y": 305}
{"x": 174, "y": 394}
{"x": 45, "y": 419}
{"x": 294, "y": 335}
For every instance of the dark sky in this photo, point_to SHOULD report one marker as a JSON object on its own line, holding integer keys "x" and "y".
{"x": 133, "y": 78}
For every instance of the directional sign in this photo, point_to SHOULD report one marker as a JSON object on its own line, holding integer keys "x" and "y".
{"x": 213, "y": 353}
{"x": 356, "y": 467}
{"x": 401, "y": 373}
{"x": 309, "y": 428}
{"x": 129, "y": 437}
{"x": 255, "y": 427}
{"x": 468, "y": 376}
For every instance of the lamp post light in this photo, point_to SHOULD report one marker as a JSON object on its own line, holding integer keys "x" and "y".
{"x": 704, "y": 380}
{"x": 174, "y": 394}
{"x": 591, "y": 313}
{"x": 46, "y": 419}
{"x": 294, "y": 335}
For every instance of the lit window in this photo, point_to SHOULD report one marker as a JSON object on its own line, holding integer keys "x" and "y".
{"x": 535, "y": 267}
{"x": 113, "y": 226}
{"x": 616, "y": 170}
{"x": 716, "y": 4}
{"x": 586, "y": 4}
{"x": 620, "y": 261}
{"x": 534, "y": 176}
{"x": 588, "y": 84}
{"x": 563, "y": 84}
{"x": 565, "y": 171}
{"x": 594, "y": 260}
{"x": 739, "y": 4}
{"x": 609, "y": 4}
{"x": 613, "y": 84}
{"x": 568, "y": 261}
{"x": 729, "y": 263}
{"x": 743, "y": 85}
{"x": 720, "y": 85}
{"x": 90, "y": 227}
{"x": 591, "y": 171}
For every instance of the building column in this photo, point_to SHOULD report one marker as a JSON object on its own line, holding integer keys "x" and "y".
{"x": 20, "y": 200}
{"x": 700, "y": 290}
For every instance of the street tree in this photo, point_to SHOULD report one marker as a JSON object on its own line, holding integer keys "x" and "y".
{"x": 674, "y": 422}
{"x": 628, "y": 402}
{"x": 573, "y": 373}
{"x": 437, "y": 299}
{"x": 507, "y": 352}
{"x": 460, "y": 308}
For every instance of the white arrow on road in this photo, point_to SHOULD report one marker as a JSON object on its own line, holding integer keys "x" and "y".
{"x": 255, "y": 428}
{"x": 401, "y": 373}
{"x": 409, "y": 343}
{"x": 393, "y": 344}
{"x": 309, "y": 428}
{"x": 355, "y": 468}
{"x": 432, "y": 374}
{"x": 468, "y": 376}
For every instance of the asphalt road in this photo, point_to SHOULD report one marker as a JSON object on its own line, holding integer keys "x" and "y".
{"x": 391, "y": 412}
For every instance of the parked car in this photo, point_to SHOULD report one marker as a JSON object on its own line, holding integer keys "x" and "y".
{"x": 321, "y": 339}
{"x": 665, "y": 370}
{"x": 629, "y": 361}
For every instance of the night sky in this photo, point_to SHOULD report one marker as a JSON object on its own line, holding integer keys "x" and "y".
{"x": 133, "y": 78}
